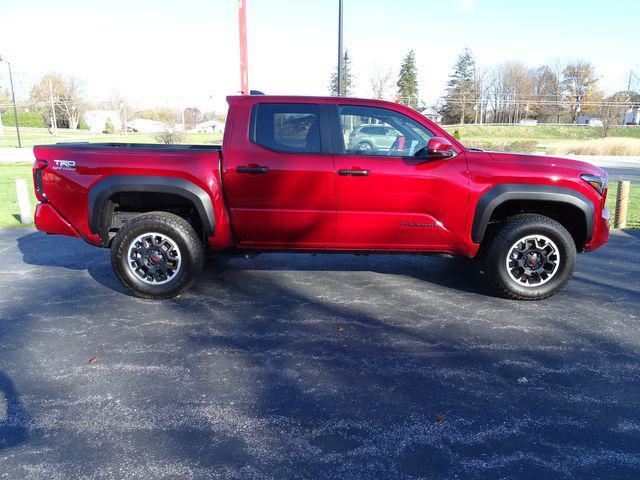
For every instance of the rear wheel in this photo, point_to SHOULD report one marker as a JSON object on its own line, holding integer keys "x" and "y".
{"x": 531, "y": 257}
{"x": 157, "y": 255}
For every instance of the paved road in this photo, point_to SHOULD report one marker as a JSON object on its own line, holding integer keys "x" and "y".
{"x": 618, "y": 168}
{"x": 301, "y": 366}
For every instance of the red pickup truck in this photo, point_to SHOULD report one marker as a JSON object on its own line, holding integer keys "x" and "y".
{"x": 323, "y": 174}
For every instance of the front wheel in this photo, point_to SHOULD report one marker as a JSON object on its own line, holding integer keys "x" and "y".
{"x": 157, "y": 255}
{"x": 531, "y": 257}
{"x": 365, "y": 148}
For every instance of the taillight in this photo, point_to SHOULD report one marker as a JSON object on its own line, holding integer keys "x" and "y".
{"x": 38, "y": 167}
{"x": 353, "y": 134}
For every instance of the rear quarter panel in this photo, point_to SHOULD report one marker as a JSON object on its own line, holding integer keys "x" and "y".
{"x": 67, "y": 188}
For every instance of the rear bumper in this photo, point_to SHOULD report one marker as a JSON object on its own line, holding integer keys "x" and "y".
{"x": 48, "y": 220}
{"x": 600, "y": 230}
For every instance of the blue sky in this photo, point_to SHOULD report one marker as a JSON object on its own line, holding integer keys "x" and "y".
{"x": 186, "y": 52}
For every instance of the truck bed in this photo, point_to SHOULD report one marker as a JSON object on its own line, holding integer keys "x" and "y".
{"x": 133, "y": 146}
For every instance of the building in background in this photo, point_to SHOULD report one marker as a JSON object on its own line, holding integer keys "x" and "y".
{"x": 96, "y": 120}
{"x": 589, "y": 120}
{"x": 432, "y": 115}
{"x": 144, "y": 125}
{"x": 632, "y": 116}
{"x": 210, "y": 126}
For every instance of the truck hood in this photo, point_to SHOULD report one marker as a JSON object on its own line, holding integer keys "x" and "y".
{"x": 547, "y": 163}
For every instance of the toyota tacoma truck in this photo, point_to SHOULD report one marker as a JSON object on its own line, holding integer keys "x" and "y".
{"x": 290, "y": 175}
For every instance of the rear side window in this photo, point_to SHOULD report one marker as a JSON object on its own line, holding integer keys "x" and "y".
{"x": 286, "y": 127}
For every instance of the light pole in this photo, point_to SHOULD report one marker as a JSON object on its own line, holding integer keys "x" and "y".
{"x": 244, "y": 64}
{"x": 13, "y": 96}
{"x": 339, "y": 48}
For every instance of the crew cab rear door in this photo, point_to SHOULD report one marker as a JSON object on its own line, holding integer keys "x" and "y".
{"x": 278, "y": 175}
{"x": 389, "y": 199}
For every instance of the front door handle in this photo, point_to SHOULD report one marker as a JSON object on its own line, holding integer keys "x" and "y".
{"x": 252, "y": 169}
{"x": 354, "y": 173}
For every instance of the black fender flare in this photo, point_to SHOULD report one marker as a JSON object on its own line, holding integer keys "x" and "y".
{"x": 496, "y": 196}
{"x": 100, "y": 193}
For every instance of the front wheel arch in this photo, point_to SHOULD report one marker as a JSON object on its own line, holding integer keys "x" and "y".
{"x": 568, "y": 207}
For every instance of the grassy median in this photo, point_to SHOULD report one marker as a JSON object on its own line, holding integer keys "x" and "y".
{"x": 9, "y": 210}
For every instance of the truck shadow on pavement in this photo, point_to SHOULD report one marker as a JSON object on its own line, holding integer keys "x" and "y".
{"x": 14, "y": 419}
{"x": 456, "y": 273}
{"x": 71, "y": 253}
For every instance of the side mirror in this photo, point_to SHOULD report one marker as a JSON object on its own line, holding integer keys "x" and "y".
{"x": 439, "y": 147}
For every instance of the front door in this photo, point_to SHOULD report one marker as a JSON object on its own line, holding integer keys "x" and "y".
{"x": 387, "y": 197}
{"x": 278, "y": 177}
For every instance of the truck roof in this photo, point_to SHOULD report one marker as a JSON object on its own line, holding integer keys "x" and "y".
{"x": 234, "y": 99}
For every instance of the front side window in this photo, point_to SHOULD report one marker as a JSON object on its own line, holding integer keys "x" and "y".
{"x": 378, "y": 131}
{"x": 287, "y": 127}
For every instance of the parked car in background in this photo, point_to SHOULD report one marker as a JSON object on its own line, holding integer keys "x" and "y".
{"x": 372, "y": 138}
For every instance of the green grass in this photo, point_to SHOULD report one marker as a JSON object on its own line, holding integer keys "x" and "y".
{"x": 633, "y": 212}
{"x": 9, "y": 173}
{"x": 41, "y": 136}
{"x": 539, "y": 133}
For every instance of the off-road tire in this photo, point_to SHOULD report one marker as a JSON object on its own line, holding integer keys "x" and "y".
{"x": 189, "y": 246}
{"x": 510, "y": 232}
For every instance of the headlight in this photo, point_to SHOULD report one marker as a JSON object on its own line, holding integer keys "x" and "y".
{"x": 599, "y": 183}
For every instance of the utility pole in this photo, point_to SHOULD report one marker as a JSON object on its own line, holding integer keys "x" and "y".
{"x": 340, "y": 60}
{"x": 242, "y": 23}
{"x": 124, "y": 113}
{"x": 13, "y": 96}
{"x": 54, "y": 122}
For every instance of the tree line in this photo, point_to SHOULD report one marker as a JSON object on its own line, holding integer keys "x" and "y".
{"x": 404, "y": 91}
{"x": 58, "y": 101}
{"x": 506, "y": 93}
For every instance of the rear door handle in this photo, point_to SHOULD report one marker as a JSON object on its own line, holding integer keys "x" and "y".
{"x": 354, "y": 173}
{"x": 252, "y": 169}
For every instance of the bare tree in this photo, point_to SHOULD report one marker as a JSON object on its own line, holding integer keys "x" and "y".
{"x": 512, "y": 92}
{"x": 611, "y": 111}
{"x": 547, "y": 94}
{"x": 580, "y": 84}
{"x": 68, "y": 98}
{"x": 483, "y": 82}
{"x": 121, "y": 106}
{"x": 381, "y": 84}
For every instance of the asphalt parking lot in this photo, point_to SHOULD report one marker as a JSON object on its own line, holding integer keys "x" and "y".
{"x": 301, "y": 366}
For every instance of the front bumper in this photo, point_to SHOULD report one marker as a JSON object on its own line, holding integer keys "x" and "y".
{"x": 600, "y": 230}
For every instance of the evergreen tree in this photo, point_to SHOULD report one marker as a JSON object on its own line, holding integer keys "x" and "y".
{"x": 108, "y": 126}
{"x": 347, "y": 79}
{"x": 460, "y": 90}
{"x": 408, "y": 81}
